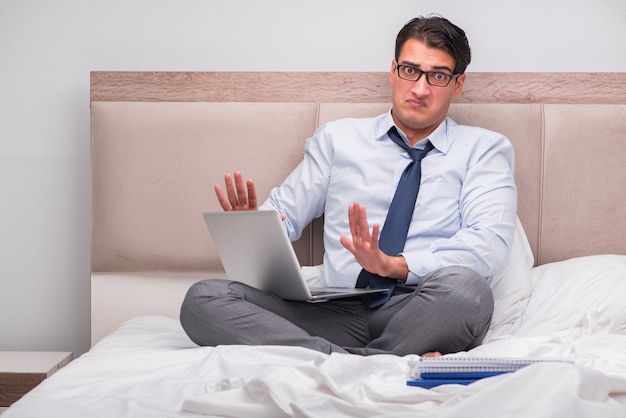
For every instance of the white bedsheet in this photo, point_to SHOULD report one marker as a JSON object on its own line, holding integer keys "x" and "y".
{"x": 149, "y": 368}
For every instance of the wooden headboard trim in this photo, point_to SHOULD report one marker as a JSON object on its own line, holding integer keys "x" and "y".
{"x": 342, "y": 87}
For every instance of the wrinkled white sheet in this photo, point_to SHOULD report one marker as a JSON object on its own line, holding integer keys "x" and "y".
{"x": 351, "y": 386}
{"x": 149, "y": 368}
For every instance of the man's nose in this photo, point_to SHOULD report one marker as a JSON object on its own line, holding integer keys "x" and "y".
{"x": 421, "y": 87}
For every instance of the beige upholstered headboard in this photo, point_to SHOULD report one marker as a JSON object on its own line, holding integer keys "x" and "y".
{"x": 161, "y": 140}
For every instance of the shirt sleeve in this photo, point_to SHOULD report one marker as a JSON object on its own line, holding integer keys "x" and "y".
{"x": 488, "y": 206}
{"x": 301, "y": 197}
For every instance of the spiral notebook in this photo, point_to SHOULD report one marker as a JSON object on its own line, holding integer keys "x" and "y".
{"x": 429, "y": 372}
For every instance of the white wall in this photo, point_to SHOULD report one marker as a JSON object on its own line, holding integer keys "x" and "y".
{"x": 48, "y": 48}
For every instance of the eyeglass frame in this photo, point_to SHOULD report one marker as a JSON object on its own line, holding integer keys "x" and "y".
{"x": 450, "y": 77}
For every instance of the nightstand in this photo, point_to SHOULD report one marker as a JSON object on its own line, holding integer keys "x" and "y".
{"x": 21, "y": 371}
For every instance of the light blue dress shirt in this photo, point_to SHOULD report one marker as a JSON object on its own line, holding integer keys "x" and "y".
{"x": 464, "y": 214}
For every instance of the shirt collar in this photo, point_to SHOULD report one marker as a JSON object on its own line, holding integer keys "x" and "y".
{"x": 439, "y": 137}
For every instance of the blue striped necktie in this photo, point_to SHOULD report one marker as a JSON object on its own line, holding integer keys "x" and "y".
{"x": 394, "y": 232}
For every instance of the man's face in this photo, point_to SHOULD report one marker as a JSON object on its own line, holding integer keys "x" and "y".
{"x": 418, "y": 108}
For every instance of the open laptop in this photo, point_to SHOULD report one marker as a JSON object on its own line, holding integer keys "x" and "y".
{"x": 254, "y": 249}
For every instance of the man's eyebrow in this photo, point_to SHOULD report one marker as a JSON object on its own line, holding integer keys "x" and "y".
{"x": 434, "y": 68}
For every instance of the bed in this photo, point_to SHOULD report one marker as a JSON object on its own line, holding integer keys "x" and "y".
{"x": 161, "y": 140}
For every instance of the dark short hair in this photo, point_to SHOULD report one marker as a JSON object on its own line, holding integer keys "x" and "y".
{"x": 437, "y": 32}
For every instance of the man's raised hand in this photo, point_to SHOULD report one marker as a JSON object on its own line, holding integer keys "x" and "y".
{"x": 239, "y": 195}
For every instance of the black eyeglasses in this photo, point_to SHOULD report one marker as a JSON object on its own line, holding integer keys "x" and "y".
{"x": 434, "y": 78}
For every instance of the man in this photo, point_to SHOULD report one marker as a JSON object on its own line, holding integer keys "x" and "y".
{"x": 460, "y": 227}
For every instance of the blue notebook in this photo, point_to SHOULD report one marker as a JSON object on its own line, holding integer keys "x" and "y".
{"x": 431, "y": 383}
{"x": 431, "y": 380}
{"x": 429, "y": 372}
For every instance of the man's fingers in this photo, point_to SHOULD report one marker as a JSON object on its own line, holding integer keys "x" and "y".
{"x": 352, "y": 220}
{"x": 360, "y": 221}
{"x": 347, "y": 244}
{"x": 374, "y": 237}
{"x": 363, "y": 226}
{"x": 230, "y": 190}
{"x": 242, "y": 196}
{"x": 221, "y": 198}
{"x": 239, "y": 195}
{"x": 252, "y": 200}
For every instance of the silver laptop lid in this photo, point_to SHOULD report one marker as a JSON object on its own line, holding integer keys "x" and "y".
{"x": 254, "y": 249}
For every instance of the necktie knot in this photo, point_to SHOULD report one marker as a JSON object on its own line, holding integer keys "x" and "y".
{"x": 418, "y": 154}
{"x": 415, "y": 153}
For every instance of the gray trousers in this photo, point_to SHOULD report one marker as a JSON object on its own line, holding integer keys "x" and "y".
{"x": 449, "y": 311}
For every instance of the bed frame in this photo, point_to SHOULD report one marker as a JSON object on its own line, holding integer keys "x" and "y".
{"x": 161, "y": 140}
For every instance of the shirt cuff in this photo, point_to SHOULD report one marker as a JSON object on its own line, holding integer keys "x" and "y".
{"x": 420, "y": 264}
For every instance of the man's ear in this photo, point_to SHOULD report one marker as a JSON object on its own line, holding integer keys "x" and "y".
{"x": 392, "y": 70}
{"x": 458, "y": 87}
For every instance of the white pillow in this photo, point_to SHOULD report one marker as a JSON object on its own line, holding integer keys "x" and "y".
{"x": 584, "y": 293}
{"x": 512, "y": 288}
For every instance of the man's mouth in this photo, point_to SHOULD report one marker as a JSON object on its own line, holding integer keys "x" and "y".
{"x": 416, "y": 103}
